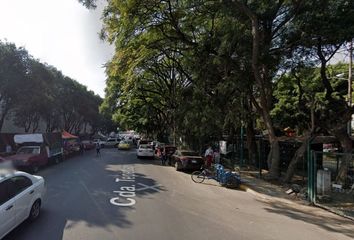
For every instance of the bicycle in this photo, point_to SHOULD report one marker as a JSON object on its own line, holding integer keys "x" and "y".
{"x": 199, "y": 176}
{"x": 225, "y": 178}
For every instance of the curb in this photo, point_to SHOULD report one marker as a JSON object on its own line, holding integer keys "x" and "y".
{"x": 246, "y": 188}
{"x": 339, "y": 213}
{"x": 243, "y": 187}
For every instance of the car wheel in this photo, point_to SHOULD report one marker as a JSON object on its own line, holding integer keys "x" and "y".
{"x": 34, "y": 169}
{"x": 35, "y": 210}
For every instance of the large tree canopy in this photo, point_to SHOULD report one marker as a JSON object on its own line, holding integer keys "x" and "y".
{"x": 35, "y": 92}
{"x": 198, "y": 70}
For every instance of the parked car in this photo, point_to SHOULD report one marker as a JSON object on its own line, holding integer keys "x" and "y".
{"x": 112, "y": 142}
{"x": 5, "y": 163}
{"x": 124, "y": 145}
{"x": 21, "y": 196}
{"x": 144, "y": 141}
{"x": 187, "y": 160}
{"x": 88, "y": 145}
{"x": 145, "y": 150}
{"x": 37, "y": 150}
{"x": 100, "y": 141}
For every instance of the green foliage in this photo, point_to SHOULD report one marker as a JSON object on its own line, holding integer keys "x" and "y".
{"x": 36, "y": 92}
{"x": 187, "y": 67}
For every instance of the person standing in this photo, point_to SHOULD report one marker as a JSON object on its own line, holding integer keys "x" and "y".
{"x": 208, "y": 157}
{"x": 8, "y": 148}
{"x": 98, "y": 149}
{"x": 217, "y": 156}
{"x": 81, "y": 148}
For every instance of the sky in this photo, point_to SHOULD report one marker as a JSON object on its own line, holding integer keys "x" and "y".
{"x": 62, "y": 33}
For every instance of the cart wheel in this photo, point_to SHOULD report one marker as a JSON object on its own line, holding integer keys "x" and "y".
{"x": 198, "y": 176}
{"x": 232, "y": 182}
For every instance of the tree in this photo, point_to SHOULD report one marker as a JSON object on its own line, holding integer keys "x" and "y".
{"x": 13, "y": 73}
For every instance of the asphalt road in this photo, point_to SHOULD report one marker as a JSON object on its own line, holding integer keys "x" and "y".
{"x": 117, "y": 196}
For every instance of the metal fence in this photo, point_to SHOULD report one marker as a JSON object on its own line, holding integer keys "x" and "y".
{"x": 237, "y": 154}
{"x": 331, "y": 181}
{"x": 327, "y": 176}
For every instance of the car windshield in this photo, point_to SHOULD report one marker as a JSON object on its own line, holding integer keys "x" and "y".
{"x": 146, "y": 146}
{"x": 123, "y": 142}
{"x": 189, "y": 154}
{"x": 28, "y": 150}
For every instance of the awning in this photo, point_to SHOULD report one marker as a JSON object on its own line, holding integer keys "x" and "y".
{"x": 66, "y": 135}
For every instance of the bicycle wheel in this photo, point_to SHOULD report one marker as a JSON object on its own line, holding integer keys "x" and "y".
{"x": 198, "y": 176}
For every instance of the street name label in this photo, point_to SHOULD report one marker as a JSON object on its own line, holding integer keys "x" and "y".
{"x": 126, "y": 194}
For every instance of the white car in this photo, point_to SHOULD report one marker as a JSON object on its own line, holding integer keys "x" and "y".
{"x": 112, "y": 142}
{"x": 21, "y": 196}
{"x": 100, "y": 141}
{"x": 145, "y": 150}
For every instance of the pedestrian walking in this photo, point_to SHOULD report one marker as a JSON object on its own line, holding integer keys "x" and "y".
{"x": 8, "y": 148}
{"x": 81, "y": 148}
{"x": 163, "y": 156}
{"x": 98, "y": 149}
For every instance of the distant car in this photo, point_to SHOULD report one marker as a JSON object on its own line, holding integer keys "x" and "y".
{"x": 160, "y": 145}
{"x": 145, "y": 150}
{"x": 5, "y": 163}
{"x": 186, "y": 160}
{"x": 100, "y": 141}
{"x": 124, "y": 145}
{"x": 88, "y": 145}
{"x": 144, "y": 141}
{"x": 154, "y": 143}
{"x": 21, "y": 196}
{"x": 112, "y": 142}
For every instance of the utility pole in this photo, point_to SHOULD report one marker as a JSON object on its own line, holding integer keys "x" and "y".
{"x": 350, "y": 84}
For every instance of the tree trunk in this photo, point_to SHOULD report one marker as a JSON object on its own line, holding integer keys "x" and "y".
{"x": 2, "y": 120}
{"x": 251, "y": 142}
{"x": 273, "y": 159}
{"x": 299, "y": 155}
{"x": 346, "y": 144}
{"x": 263, "y": 82}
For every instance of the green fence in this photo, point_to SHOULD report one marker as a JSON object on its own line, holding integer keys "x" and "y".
{"x": 331, "y": 181}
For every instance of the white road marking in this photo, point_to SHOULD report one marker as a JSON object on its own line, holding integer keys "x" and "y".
{"x": 145, "y": 187}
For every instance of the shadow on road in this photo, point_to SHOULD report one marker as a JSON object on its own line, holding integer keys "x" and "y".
{"x": 78, "y": 196}
{"x": 313, "y": 216}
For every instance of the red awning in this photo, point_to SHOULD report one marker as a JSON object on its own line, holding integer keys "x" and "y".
{"x": 66, "y": 135}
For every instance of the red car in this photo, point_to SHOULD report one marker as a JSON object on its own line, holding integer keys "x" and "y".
{"x": 187, "y": 160}
{"x": 29, "y": 158}
{"x": 88, "y": 145}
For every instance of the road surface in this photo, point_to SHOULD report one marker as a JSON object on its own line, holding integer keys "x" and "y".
{"x": 117, "y": 196}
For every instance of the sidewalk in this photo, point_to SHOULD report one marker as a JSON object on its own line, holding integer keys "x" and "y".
{"x": 272, "y": 193}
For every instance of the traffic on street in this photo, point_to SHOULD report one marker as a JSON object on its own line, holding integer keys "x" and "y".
{"x": 176, "y": 120}
{"x": 118, "y": 196}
